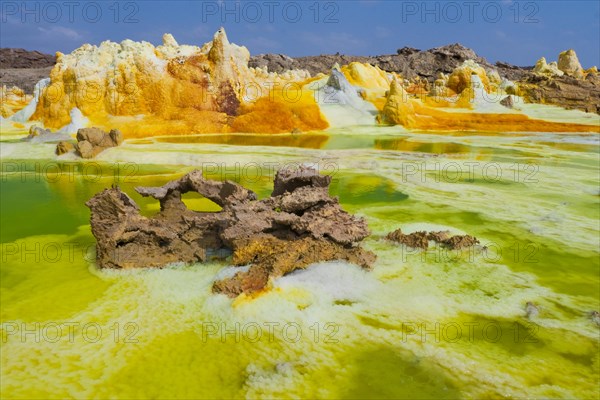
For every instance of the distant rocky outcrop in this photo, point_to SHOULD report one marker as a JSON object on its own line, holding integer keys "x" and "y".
{"x": 23, "y": 68}
{"x": 563, "y": 91}
{"x": 543, "y": 68}
{"x": 21, "y": 58}
{"x": 93, "y": 141}
{"x": 409, "y": 62}
{"x": 563, "y": 83}
{"x": 297, "y": 225}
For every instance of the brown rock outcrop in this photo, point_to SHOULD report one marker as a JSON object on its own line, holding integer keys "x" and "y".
{"x": 417, "y": 240}
{"x": 563, "y": 91}
{"x": 409, "y": 62}
{"x": 460, "y": 242}
{"x": 569, "y": 64}
{"x": 274, "y": 257}
{"x": 439, "y": 237}
{"x": 298, "y": 225}
{"x": 508, "y": 102}
{"x": 93, "y": 141}
{"x": 64, "y": 147}
{"x": 420, "y": 240}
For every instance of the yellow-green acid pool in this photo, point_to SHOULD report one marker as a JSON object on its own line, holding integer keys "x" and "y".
{"x": 421, "y": 325}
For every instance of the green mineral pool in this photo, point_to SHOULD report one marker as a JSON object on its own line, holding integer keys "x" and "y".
{"x": 432, "y": 324}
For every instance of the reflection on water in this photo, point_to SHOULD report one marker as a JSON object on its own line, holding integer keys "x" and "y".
{"x": 358, "y": 190}
{"x": 423, "y": 147}
{"x": 305, "y": 140}
{"x": 578, "y": 147}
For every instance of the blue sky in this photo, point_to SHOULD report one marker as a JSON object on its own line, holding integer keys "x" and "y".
{"x": 518, "y": 32}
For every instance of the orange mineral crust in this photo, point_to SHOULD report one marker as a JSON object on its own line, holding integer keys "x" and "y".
{"x": 419, "y": 117}
{"x": 275, "y": 114}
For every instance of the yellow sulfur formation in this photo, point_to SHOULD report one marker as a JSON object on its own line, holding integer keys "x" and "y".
{"x": 12, "y": 100}
{"x": 279, "y": 113}
{"x": 169, "y": 89}
{"x": 175, "y": 89}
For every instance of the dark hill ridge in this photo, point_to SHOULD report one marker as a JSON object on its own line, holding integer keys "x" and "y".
{"x": 23, "y": 68}
{"x": 408, "y": 61}
{"x": 21, "y": 58}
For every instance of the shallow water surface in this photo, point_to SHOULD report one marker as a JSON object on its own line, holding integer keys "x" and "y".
{"x": 432, "y": 324}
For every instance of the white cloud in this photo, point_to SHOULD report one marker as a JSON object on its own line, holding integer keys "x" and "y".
{"x": 60, "y": 32}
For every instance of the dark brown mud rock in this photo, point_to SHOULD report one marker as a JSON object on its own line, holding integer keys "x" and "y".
{"x": 273, "y": 257}
{"x": 420, "y": 240}
{"x": 289, "y": 180}
{"x": 460, "y": 242}
{"x": 417, "y": 240}
{"x": 299, "y": 226}
{"x": 439, "y": 237}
